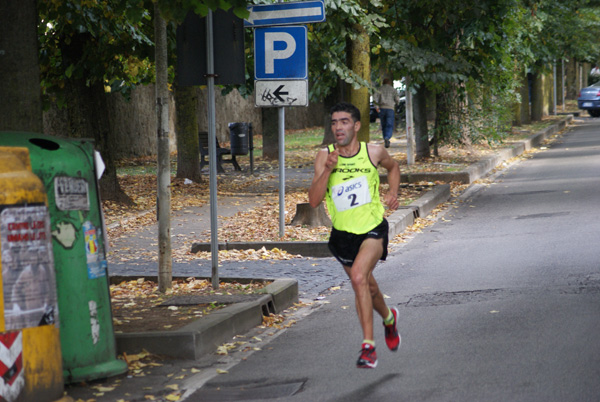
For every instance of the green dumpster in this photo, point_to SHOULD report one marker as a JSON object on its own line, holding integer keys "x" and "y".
{"x": 68, "y": 170}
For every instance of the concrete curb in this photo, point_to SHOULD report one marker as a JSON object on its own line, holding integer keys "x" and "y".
{"x": 206, "y": 334}
{"x": 404, "y": 217}
{"x": 305, "y": 248}
{"x": 485, "y": 165}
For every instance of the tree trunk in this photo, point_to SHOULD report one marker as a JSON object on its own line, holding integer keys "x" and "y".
{"x": 309, "y": 216}
{"x": 537, "y": 96}
{"x": 459, "y": 113}
{"x": 442, "y": 118}
{"x": 360, "y": 63}
{"x": 431, "y": 105}
{"x": 571, "y": 80}
{"x": 88, "y": 117}
{"x": 270, "y": 124}
{"x": 548, "y": 92}
{"x": 20, "y": 95}
{"x": 420, "y": 121}
{"x": 521, "y": 108}
{"x": 525, "y": 99}
{"x": 585, "y": 74}
{"x": 186, "y": 128}
{"x": 559, "y": 84}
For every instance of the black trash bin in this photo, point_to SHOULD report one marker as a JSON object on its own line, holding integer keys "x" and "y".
{"x": 240, "y": 134}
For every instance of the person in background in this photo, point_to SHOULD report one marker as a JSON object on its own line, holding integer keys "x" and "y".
{"x": 386, "y": 99}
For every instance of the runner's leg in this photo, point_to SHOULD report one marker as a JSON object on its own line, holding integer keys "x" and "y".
{"x": 366, "y": 290}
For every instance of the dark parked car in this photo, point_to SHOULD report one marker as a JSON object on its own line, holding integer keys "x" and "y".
{"x": 401, "y": 108}
{"x": 373, "y": 113}
{"x": 589, "y": 99}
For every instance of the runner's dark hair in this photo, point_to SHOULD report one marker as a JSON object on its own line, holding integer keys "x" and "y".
{"x": 348, "y": 108}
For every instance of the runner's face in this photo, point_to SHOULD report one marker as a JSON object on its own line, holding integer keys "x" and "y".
{"x": 343, "y": 127}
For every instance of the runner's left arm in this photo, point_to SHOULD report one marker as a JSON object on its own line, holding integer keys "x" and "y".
{"x": 393, "y": 177}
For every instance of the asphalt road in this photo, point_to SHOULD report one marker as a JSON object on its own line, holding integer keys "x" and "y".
{"x": 499, "y": 301}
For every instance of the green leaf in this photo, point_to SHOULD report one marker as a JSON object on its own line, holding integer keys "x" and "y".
{"x": 201, "y": 9}
{"x": 241, "y": 12}
{"x": 69, "y": 71}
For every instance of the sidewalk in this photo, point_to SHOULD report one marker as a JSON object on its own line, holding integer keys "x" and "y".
{"x": 304, "y": 278}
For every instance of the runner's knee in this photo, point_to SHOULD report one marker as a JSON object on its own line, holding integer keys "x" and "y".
{"x": 358, "y": 279}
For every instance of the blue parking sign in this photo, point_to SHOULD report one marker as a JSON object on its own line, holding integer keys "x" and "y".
{"x": 280, "y": 53}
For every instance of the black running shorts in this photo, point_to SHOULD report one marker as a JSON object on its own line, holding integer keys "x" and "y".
{"x": 344, "y": 245}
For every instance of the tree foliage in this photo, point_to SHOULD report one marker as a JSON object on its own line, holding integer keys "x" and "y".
{"x": 566, "y": 29}
{"x": 471, "y": 47}
{"x": 469, "y": 50}
{"x": 106, "y": 41}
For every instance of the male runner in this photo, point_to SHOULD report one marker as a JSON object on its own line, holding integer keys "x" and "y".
{"x": 346, "y": 174}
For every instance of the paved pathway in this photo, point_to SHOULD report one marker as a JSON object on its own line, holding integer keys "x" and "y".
{"x": 314, "y": 275}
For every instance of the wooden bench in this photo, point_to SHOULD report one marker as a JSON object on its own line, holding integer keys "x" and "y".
{"x": 203, "y": 138}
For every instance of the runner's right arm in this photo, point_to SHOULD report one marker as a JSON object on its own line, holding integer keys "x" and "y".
{"x": 324, "y": 164}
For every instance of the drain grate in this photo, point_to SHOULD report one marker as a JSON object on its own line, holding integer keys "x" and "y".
{"x": 247, "y": 392}
{"x": 533, "y": 192}
{"x": 452, "y": 298}
{"x": 415, "y": 210}
{"x": 542, "y": 215}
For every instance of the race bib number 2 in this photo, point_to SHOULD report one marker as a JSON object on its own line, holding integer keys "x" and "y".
{"x": 351, "y": 194}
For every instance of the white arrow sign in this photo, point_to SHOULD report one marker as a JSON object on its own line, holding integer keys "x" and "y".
{"x": 280, "y": 93}
{"x": 300, "y": 12}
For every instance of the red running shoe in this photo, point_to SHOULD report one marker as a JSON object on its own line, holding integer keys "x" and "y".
{"x": 392, "y": 337}
{"x": 368, "y": 357}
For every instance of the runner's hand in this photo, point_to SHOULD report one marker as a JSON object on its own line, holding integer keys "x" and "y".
{"x": 332, "y": 160}
{"x": 391, "y": 200}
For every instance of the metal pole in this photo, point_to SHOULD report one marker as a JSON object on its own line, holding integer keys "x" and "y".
{"x": 554, "y": 72}
{"x": 410, "y": 133}
{"x": 281, "y": 134}
{"x": 281, "y": 126}
{"x": 562, "y": 75}
{"x": 212, "y": 151}
{"x": 163, "y": 169}
{"x": 251, "y": 148}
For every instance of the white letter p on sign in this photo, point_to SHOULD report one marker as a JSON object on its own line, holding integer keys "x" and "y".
{"x": 271, "y": 54}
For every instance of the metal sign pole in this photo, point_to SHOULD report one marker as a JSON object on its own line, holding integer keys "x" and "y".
{"x": 212, "y": 151}
{"x": 281, "y": 125}
{"x": 284, "y": 83}
{"x": 410, "y": 133}
{"x": 562, "y": 74}
{"x": 555, "y": 79}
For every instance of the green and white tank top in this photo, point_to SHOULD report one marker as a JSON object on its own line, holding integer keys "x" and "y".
{"x": 353, "y": 193}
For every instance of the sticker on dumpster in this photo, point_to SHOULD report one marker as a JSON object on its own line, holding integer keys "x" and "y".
{"x": 29, "y": 284}
{"x": 95, "y": 324}
{"x": 11, "y": 366}
{"x": 96, "y": 264}
{"x": 71, "y": 193}
{"x": 65, "y": 234}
